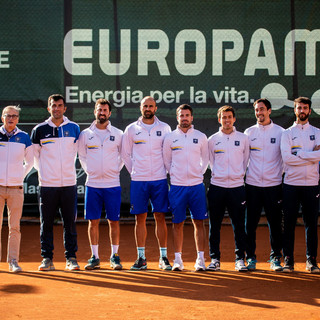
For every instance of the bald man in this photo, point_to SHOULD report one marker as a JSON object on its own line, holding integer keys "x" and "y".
{"x": 142, "y": 155}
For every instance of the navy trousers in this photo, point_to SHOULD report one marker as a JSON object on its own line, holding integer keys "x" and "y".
{"x": 50, "y": 200}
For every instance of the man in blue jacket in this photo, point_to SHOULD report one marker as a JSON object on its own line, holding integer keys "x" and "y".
{"x": 55, "y": 151}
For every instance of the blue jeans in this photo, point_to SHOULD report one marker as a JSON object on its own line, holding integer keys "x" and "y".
{"x": 232, "y": 199}
{"x": 50, "y": 200}
{"x": 308, "y": 197}
{"x": 269, "y": 198}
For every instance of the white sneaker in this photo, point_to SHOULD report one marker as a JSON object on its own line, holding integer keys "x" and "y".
{"x": 240, "y": 266}
{"x": 200, "y": 265}
{"x": 214, "y": 265}
{"x": 177, "y": 265}
{"x": 14, "y": 267}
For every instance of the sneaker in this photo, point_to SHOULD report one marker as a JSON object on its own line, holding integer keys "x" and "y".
{"x": 46, "y": 265}
{"x": 140, "y": 264}
{"x": 72, "y": 264}
{"x": 115, "y": 262}
{"x": 311, "y": 265}
{"x": 164, "y": 264}
{"x": 214, "y": 265}
{"x": 240, "y": 265}
{"x": 251, "y": 264}
{"x": 288, "y": 265}
{"x": 93, "y": 263}
{"x": 14, "y": 267}
{"x": 275, "y": 264}
{"x": 177, "y": 265}
{"x": 200, "y": 265}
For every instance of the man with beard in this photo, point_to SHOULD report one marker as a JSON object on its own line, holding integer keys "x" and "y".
{"x": 185, "y": 153}
{"x": 55, "y": 150}
{"x": 142, "y": 155}
{"x": 264, "y": 183}
{"x": 99, "y": 154}
{"x": 300, "y": 152}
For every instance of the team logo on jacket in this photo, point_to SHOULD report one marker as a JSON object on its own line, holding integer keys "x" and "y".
{"x": 176, "y": 148}
{"x": 237, "y": 143}
{"x": 111, "y": 138}
{"x": 159, "y": 133}
{"x": 66, "y": 133}
{"x": 312, "y": 138}
{"x": 273, "y": 140}
{"x": 90, "y": 138}
{"x": 219, "y": 151}
{"x": 2, "y": 145}
{"x": 139, "y": 142}
{"x": 17, "y": 139}
{"x": 47, "y": 142}
{"x": 93, "y": 147}
{"x": 195, "y": 140}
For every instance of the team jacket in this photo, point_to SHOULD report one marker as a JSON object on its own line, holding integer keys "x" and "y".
{"x": 142, "y": 151}
{"x": 265, "y": 162}
{"x": 301, "y": 163}
{"x": 186, "y": 156}
{"x": 229, "y": 155}
{"x": 16, "y": 158}
{"x": 101, "y": 162}
{"x": 55, "y": 151}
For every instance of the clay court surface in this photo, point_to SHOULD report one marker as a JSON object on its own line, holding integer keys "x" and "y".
{"x": 154, "y": 294}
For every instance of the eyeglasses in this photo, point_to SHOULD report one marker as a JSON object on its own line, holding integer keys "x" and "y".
{"x": 11, "y": 116}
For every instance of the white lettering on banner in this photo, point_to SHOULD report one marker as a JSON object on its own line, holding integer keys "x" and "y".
{"x": 128, "y": 96}
{"x": 218, "y": 38}
{"x": 146, "y": 55}
{"x": 4, "y": 58}
{"x": 72, "y": 52}
{"x": 78, "y": 58}
{"x": 190, "y": 69}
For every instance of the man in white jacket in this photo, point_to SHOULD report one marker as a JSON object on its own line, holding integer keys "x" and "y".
{"x": 264, "y": 184}
{"x": 55, "y": 150}
{"x": 185, "y": 153}
{"x": 16, "y": 160}
{"x": 142, "y": 155}
{"x": 300, "y": 146}
{"x": 228, "y": 154}
{"x": 99, "y": 154}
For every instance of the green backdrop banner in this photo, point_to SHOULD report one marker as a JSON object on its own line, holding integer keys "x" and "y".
{"x": 205, "y": 53}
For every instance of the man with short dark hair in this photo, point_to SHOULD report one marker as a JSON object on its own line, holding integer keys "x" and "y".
{"x": 142, "y": 155}
{"x": 300, "y": 146}
{"x": 99, "y": 154}
{"x": 55, "y": 150}
{"x": 264, "y": 184}
{"x": 185, "y": 153}
{"x": 16, "y": 160}
{"x": 228, "y": 154}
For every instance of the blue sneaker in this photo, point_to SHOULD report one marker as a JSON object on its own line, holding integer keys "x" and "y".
{"x": 275, "y": 264}
{"x": 251, "y": 264}
{"x": 93, "y": 263}
{"x": 115, "y": 262}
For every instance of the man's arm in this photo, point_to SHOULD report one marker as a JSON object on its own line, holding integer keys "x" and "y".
{"x": 126, "y": 150}
{"x": 246, "y": 153}
{"x": 167, "y": 153}
{"x": 205, "y": 155}
{"x": 82, "y": 151}
{"x": 28, "y": 158}
{"x": 287, "y": 156}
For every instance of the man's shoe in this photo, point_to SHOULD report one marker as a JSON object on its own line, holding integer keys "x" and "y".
{"x": 311, "y": 265}
{"x": 288, "y": 265}
{"x": 93, "y": 263}
{"x": 140, "y": 264}
{"x": 251, "y": 264}
{"x": 240, "y": 265}
{"x": 164, "y": 264}
{"x": 46, "y": 265}
{"x": 214, "y": 265}
{"x": 177, "y": 265}
{"x": 275, "y": 264}
{"x": 200, "y": 265}
{"x": 115, "y": 262}
{"x": 14, "y": 267}
{"x": 72, "y": 264}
